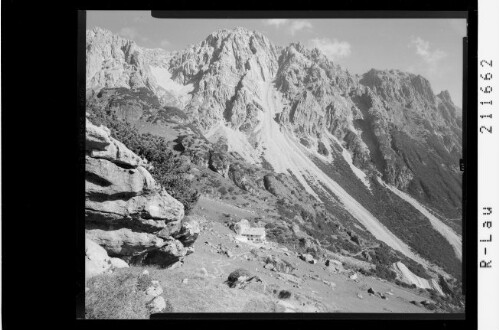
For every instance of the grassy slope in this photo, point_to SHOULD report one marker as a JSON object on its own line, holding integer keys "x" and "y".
{"x": 399, "y": 216}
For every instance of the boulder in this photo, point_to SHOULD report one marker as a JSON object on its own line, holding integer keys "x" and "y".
{"x": 321, "y": 149}
{"x": 279, "y": 264}
{"x": 219, "y": 162}
{"x": 157, "y": 305}
{"x": 100, "y": 144}
{"x": 97, "y": 138}
{"x": 332, "y": 262}
{"x": 105, "y": 179}
{"x": 118, "y": 263}
{"x": 152, "y": 210}
{"x": 127, "y": 212}
{"x": 308, "y": 258}
{"x": 275, "y": 187}
{"x": 96, "y": 259}
{"x": 189, "y": 230}
{"x": 240, "y": 278}
{"x": 241, "y": 177}
{"x": 296, "y": 229}
{"x": 124, "y": 241}
{"x": 268, "y": 266}
{"x": 155, "y": 289}
{"x": 169, "y": 254}
{"x": 169, "y": 229}
{"x": 416, "y": 303}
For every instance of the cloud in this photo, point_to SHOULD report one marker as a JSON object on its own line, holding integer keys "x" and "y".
{"x": 132, "y": 34}
{"x": 299, "y": 25}
{"x": 423, "y": 50}
{"x": 333, "y": 49}
{"x": 129, "y": 33}
{"x": 292, "y": 26}
{"x": 277, "y": 22}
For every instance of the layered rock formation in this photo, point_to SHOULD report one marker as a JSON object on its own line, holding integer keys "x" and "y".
{"x": 126, "y": 211}
{"x": 97, "y": 260}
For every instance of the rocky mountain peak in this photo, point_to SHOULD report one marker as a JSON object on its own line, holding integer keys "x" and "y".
{"x": 445, "y": 96}
{"x": 113, "y": 61}
{"x": 396, "y": 86}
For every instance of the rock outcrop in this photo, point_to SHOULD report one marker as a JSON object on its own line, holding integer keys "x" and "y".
{"x": 408, "y": 277}
{"x": 127, "y": 212}
{"x": 97, "y": 260}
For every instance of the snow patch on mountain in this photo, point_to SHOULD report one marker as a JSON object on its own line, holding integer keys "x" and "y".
{"x": 405, "y": 275}
{"x": 164, "y": 80}
{"x": 236, "y": 142}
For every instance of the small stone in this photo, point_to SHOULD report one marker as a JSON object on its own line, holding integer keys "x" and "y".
{"x": 268, "y": 266}
{"x": 154, "y": 290}
{"x": 87, "y": 289}
{"x": 157, "y": 305}
{"x": 354, "y": 276}
{"x": 145, "y": 272}
{"x": 360, "y": 296}
{"x": 416, "y": 303}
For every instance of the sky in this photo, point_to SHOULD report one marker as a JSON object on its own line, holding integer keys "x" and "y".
{"x": 429, "y": 47}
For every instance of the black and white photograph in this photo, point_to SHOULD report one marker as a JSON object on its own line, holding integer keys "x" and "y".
{"x": 272, "y": 165}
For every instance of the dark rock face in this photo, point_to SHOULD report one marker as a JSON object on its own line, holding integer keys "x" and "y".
{"x": 274, "y": 186}
{"x": 240, "y": 278}
{"x": 219, "y": 162}
{"x": 241, "y": 177}
{"x": 126, "y": 211}
{"x": 321, "y": 148}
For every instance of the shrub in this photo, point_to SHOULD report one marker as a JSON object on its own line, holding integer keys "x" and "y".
{"x": 284, "y": 294}
{"x": 385, "y": 273}
{"x": 168, "y": 167}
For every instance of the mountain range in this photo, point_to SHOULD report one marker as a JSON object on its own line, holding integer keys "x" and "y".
{"x": 376, "y": 154}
